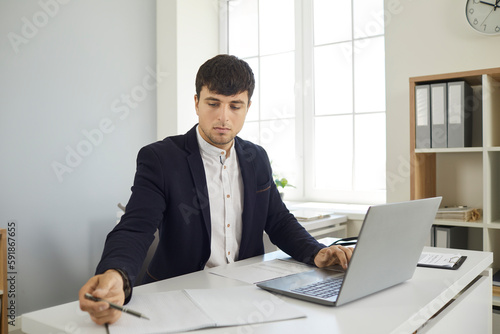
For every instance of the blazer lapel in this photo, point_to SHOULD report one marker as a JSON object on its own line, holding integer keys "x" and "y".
{"x": 247, "y": 168}
{"x": 198, "y": 173}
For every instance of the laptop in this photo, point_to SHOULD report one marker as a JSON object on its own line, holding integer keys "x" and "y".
{"x": 389, "y": 246}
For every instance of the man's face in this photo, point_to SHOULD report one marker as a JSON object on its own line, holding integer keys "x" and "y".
{"x": 221, "y": 117}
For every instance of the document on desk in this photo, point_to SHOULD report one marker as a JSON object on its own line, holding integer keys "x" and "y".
{"x": 441, "y": 260}
{"x": 190, "y": 309}
{"x": 261, "y": 271}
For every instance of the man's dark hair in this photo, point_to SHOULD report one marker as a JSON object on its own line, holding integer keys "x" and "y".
{"x": 225, "y": 75}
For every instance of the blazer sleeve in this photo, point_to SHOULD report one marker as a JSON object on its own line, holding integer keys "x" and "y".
{"x": 282, "y": 227}
{"x": 288, "y": 234}
{"x": 127, "y": 244}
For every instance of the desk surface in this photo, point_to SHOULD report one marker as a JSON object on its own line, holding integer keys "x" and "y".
{"x": 321, "y": 222}
{"x": 400, "y": 309}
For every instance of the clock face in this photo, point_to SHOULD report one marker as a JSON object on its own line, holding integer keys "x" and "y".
{"x": 484, "y": 15}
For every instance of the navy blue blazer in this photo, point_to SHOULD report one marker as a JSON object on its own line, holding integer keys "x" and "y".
{"x": 170, "y": 193}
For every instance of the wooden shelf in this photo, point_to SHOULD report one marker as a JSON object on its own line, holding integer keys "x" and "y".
{"x": 476, "y": 224}
{"x": 470, "y": 175}
{"x": 494, "y": 225}
{"x": 449, "y": 150}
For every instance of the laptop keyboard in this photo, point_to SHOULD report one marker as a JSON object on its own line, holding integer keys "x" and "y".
{"x": 323, "y": 289}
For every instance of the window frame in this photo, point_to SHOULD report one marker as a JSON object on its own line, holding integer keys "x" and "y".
{"x": 304, "y": 110}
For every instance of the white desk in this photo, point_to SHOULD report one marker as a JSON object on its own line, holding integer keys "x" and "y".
{"x": 327, "y": 226}
{"x": 330, "y": 226}
{"x": 400, "y": 309}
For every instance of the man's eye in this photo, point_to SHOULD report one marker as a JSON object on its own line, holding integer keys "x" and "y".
{"x": 213, "y": 104}
{"x": 235, "y": 107}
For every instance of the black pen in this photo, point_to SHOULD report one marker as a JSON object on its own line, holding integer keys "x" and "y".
{"x": 116, "y": 307}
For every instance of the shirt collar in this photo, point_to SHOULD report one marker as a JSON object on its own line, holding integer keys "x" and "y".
{"x": 211, "y": 150}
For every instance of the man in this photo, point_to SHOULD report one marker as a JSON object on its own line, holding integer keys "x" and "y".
{"x": 210, "y": 194}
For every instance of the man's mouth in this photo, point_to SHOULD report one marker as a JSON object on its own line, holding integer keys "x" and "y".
{"x": 222, "y": 130}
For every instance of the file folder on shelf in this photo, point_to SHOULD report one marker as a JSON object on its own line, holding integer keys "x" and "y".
{"x": 496, "y": 278}
{"x": 439, "y": 115}
{"x": 459, "y": 114}
{"x": 450, "y": 237}
{"x": 422, "y": 116}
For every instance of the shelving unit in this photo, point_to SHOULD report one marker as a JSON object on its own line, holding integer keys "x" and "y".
{"x": 470, "y": 175}
{"x": 465, "y": 176}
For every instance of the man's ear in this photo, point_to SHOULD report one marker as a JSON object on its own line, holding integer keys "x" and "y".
{"x": 196, "y": 103}
{"x": 248, "y": 107}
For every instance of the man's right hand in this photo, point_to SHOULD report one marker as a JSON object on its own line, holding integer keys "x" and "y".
{"x": 333, "y": 255}
{"x": 108, "y": 286}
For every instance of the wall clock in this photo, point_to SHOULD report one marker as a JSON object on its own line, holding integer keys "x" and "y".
{"x": 484, "y": 16}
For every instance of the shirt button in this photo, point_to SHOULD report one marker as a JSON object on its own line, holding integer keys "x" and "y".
{"x": 228, "y": 225}
{"x": 224, "y": 167}
{"x": 228, "y": 196}
{"x": 222, "y": 153}
{"x": 228, "y": 253}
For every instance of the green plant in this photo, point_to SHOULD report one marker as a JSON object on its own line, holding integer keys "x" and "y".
{"x": 283, "y": 182}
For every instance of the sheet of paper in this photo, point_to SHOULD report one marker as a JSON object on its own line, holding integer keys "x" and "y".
{"x": 185, "y": 310}
{"x": 262, "y": 271}
{"x": 242, "y": 305}
{"x": 169, "y": 312}
{"x": 438, "y": 259}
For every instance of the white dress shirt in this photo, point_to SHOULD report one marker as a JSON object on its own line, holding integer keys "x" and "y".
{"x": 225, "y": 193}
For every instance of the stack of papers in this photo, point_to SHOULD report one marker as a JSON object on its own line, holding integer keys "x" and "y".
{"x": 262, "y": 271}
{"x": 463, "y": 214}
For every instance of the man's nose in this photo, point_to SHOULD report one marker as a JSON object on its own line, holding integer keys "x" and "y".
{"x": 223, "y": 112}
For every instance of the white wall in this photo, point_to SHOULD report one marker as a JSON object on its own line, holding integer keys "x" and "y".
{"x": 424, "y": 37}
{"x": 68, "y": 67}
{"x": 193, "y": 39}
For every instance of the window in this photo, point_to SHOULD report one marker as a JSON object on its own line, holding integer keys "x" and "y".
{"x": 319, "y": 104}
